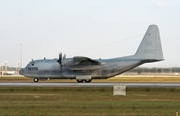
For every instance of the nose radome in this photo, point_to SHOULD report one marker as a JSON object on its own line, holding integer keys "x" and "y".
{"x": 21, "y": 72}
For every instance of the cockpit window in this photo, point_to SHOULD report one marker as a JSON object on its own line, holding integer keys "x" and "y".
{"x": 30, "y": 64}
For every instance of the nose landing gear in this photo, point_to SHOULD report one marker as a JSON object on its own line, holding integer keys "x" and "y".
{"x": 36, "y": 80}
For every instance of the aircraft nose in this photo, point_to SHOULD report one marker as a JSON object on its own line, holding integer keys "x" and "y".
{"x": 21, "y": 72}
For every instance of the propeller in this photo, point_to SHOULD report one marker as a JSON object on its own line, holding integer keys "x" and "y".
{"x": 64, "y": 57}
{"x": 60, "y": 61}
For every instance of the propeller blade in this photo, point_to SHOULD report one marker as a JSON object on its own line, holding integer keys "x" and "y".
{"x": 60, "y": 61}
{"x": 60, "y": 58}
{"x": 64, "y": 57}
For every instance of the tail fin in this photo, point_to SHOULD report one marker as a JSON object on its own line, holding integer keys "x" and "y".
{"x": 150, "y": 47}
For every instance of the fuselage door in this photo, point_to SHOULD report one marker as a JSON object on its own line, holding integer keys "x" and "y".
{"x": 104, "y": 73}
{"x": 41, "y": 71}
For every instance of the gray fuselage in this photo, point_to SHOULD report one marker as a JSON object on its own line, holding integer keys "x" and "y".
{"x": 50, "y": 68}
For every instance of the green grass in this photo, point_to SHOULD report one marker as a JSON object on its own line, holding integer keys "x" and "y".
{"x": 88, "y": 101}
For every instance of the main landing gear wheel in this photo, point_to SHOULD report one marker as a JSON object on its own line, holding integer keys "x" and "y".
{"x": 80, "y": 81}
{"x": 36, "y": 79}
{"x": 88, "y": 81}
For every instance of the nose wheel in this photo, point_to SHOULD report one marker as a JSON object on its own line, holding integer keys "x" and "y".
{"x": 35, "y": 79}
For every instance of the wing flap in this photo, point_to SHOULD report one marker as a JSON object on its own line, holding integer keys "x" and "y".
{"x": 80, "y": 59}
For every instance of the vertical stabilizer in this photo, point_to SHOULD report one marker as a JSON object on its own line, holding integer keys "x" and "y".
{"x": 150, "y": 47}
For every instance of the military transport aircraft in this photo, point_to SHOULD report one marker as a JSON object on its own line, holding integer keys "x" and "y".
{"x": 85, "y": 69}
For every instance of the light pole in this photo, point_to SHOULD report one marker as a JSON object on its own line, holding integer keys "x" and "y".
{"x": 17, "y": 67}
{"x": 20, "y": 55}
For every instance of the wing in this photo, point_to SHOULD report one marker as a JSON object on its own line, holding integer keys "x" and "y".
{"x": 85, "y": 63}
{"x": 81, "y": 59}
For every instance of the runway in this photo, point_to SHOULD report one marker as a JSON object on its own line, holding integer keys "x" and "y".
{"x": 142, "y": 85}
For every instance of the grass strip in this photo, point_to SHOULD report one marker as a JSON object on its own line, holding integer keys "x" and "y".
{"x": 88, "y": 101}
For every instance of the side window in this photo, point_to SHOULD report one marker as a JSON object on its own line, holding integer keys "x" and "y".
{"x": 28, "y": 65}
{"x": 32, "y": 63}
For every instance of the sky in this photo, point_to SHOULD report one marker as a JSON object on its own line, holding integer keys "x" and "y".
{"x": 93, "y": 28}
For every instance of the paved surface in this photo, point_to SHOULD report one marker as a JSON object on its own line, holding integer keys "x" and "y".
{"x": 144, "y": 85}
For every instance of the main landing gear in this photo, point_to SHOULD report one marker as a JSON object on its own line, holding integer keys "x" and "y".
{"x": 87, "y": 81}
{"x": 35, "y": 79}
